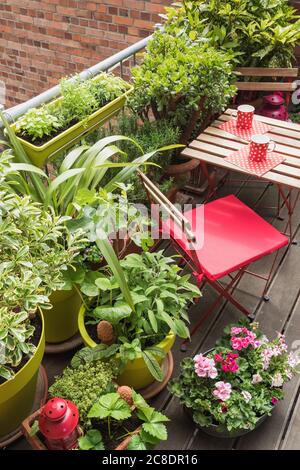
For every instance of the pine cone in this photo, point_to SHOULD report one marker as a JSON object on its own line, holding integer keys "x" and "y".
{"x": 126, "y": 393}
{"x": 105, "y": 332}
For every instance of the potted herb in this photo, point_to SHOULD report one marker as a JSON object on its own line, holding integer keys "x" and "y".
{"x": 142, "y": 332}
{"x": 123, "y": 420}
{"x": 32, "y": 261}
{"x": 118, "y": 420}
{"x": 230, "y": 390}
{"x": 82, "y": 106}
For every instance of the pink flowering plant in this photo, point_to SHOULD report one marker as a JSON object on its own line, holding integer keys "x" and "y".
{"x": 239, "y": 381}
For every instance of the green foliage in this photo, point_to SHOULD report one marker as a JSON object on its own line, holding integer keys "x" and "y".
{"x": 112, "y": 406}
{"x": 79, "y": 99}
{"x": 255, "y": 33}
{"x": 111, "y": 410}
{"x": 84, "y": 384}
{"x": 160, "y": 297}
{"x": 181, "y": 81}
{"x": 150, "y": 135}
{"x": 263, "y": 367}
{"x": 37, "y": 123}
{"x": 15, "y": 334}
{"x": 35, "y": 249}
{"x": 92, "y": 440}
{"x": 295, "y": 117}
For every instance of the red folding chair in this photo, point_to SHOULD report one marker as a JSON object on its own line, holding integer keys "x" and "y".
{"x": 234, "y": 237}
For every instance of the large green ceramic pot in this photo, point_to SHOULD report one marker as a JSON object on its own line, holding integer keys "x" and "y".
{"x": 61, "y": 320}
{"x": 17, "y": 395}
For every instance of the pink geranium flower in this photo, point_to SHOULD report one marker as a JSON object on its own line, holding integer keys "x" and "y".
{"x": 222, "y": 391}
{"x": 205, "y": 367}
{"x": 274, "y": 401}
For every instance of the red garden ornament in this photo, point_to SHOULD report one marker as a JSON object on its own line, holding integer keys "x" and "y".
{"x": 58, "y": 422}
{"x": 274, "y": 106}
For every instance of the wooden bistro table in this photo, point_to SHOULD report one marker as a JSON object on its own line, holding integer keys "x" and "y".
{"x": 214, "y": 144}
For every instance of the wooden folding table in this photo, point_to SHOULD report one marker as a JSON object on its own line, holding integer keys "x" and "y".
{"x": 214, "y": 144}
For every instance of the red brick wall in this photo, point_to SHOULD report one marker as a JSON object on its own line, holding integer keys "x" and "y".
{"x": 43, "y": 40}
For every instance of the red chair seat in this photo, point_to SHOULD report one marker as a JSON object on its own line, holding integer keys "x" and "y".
{"x": 234, "y": 236}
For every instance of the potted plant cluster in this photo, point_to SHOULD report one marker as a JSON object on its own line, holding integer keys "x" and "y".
{"x": 231, "y": 389}
{"x": 140, "y": 332}
{"x": 82, "y": 106}
{"x": 110, "y": 416}
{"x": 35, "y": 249}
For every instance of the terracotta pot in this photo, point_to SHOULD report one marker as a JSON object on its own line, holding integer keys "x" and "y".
{"x": 37, "y": 444}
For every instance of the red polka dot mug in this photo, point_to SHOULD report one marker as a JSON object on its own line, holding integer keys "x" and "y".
{"x": 260, "y": 145}
{"x": 245, "y": 114}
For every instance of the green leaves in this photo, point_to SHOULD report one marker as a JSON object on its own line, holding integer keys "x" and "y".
{"x": 153, "y": 365}
{"x": 114, "y": 314}
{"x": 110, "y": 405}
{"x": 92, "y": 440}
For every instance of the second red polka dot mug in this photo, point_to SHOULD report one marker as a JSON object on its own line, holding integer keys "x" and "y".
{"x": 260, "y": 145}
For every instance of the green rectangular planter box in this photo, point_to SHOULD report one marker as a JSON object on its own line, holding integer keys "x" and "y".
{"x": 39, "y": 155}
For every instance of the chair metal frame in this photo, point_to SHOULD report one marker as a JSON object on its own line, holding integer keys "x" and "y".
{"x": 225, "y": 292}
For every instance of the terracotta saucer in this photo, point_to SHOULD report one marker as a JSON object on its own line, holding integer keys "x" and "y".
{"x": 65, "y": 346}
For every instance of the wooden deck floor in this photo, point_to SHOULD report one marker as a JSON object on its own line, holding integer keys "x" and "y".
{"x": 281, "y": 313}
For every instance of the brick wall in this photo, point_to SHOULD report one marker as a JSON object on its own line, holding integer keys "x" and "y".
{"x": 43, "y": 40}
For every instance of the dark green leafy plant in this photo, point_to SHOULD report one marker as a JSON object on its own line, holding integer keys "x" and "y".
{"x": 84, "y": 383}
{"x": 160, "y": 297}
{"x": 182, "y": 82}
{"x": 255, "y": 33}
{"x": 112, "y": 411}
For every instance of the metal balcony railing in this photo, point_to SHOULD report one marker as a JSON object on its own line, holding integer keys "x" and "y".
{"x": 118, "y": 60}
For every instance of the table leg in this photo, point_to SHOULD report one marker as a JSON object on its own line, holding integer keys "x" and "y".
{"x": 290, "y": 204}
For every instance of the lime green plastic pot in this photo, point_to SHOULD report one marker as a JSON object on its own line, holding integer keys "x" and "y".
{"x": 69, "y": 137}
{"x": 61, "y": 321}
{"x": 17, "y": 395}
{"x": 135, "y": 374}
